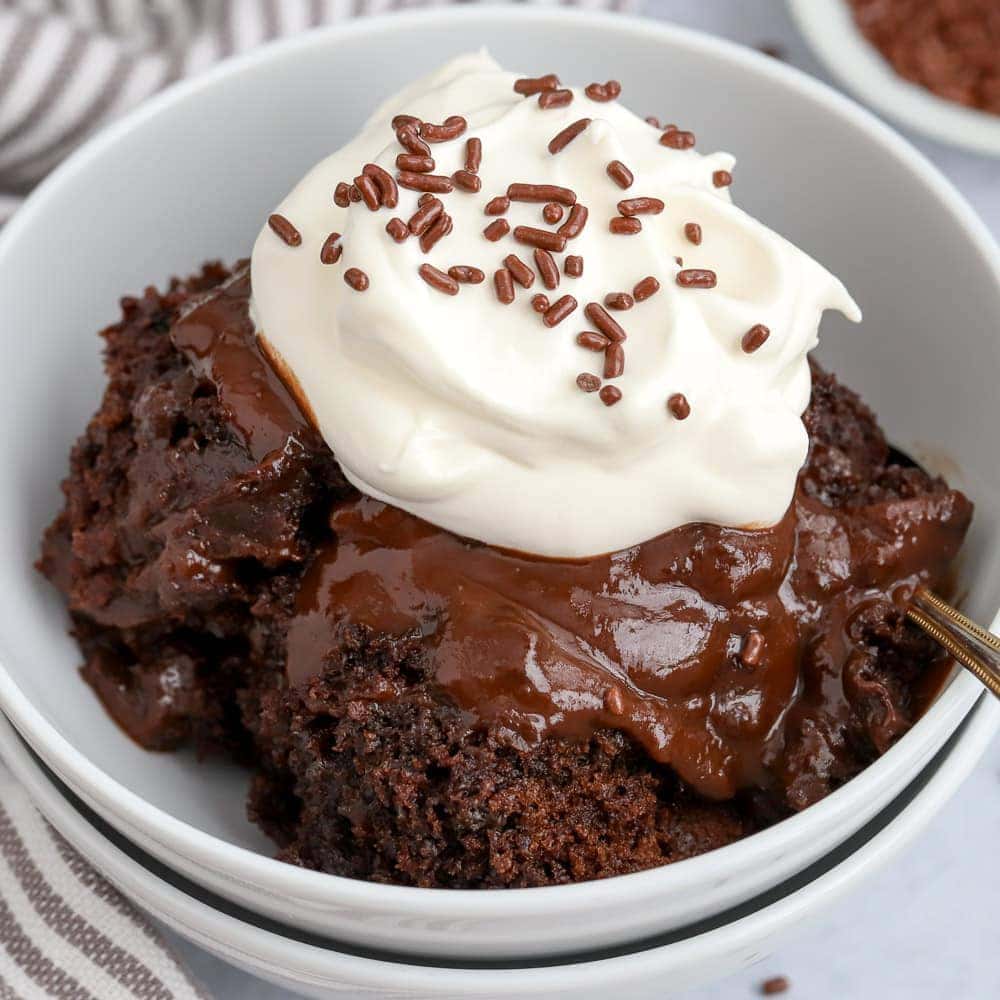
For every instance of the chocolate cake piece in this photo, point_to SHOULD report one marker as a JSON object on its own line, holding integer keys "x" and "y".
{"x": 230, "y": 589}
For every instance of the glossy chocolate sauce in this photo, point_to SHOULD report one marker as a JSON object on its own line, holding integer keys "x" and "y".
{"x": 707, "y": 645}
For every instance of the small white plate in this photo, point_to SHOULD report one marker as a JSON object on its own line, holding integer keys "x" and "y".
{"x": 829, "y": 28}
{"x": 655, "y": 968}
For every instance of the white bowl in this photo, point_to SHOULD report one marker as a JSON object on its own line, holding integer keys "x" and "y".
{"x": 829, "y": 28}
{"x": 191, "y": 174}
{"x": 656, "y": 968}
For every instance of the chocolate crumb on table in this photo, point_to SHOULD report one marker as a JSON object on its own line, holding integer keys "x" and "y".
{"x": 774, "y": 986}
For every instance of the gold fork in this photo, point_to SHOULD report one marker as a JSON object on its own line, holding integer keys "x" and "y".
{"x": 975, "y": 648}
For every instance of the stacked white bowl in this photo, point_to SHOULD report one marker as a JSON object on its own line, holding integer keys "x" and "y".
{"x": 190, "y": 176}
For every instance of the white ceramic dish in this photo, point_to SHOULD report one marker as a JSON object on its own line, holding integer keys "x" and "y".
{"x": 828, "y": 27}
{"x": 174, "y": 184}
{"x": 657, "y": 968}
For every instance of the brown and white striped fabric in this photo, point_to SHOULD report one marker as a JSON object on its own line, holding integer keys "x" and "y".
{"x": 69, "y": 66}
{"x": 64, "y": 931}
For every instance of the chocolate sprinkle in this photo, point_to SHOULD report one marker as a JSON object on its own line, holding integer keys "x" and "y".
{"x": 473, "y": 154}
{"x": 614, "y": 361}
{"x": 559, "y": 310}
{"x": 540, "y": 302}
{"x": 722, "y": 178}
{"x": 528, "y": 86}
{"x": 553, "y": 212}
{"x": 693, "y": 232}
{"x": 555, "y": 98}
{"x": 619, "y": 300}
{"x": 547, "y": 268}
{"x": 600, "y": 317}
{"x": 678, "y": 406}
{"x": 696, "y": 277}
{"x": 504, "y": 285}
{"x": 775, "y": 986}
{"x": 610, "y": 395}
{"x": 497, "y": 206}
{"x": 620, "y": 174}
{"x": 438, "y": 231}
{"x": 519, "y": 271}
{"x": 588, "y": 382}
{"x": 593, "y": 341}
{"x": 398, "y": 230}
{"x": 755, "y": 338}
{"x": 674, "y": 138}
{"x": 356, "y": 278}
{"x": 539, "y": 238}
{"x": 573, "y": 266}
{"x": 331, "y": 250}
{"x": 284, "y": 230}
{"x": 407, "y": 138}
{"x": 640, "y": 206}
{"x": 438, "y": 279}
{"x": 354, "y": 194}
{"x": 646, "y": 288}
{"x": 424, "y": 217}
{"x": 574, "y": 224}
{"x": 466, "y": 180}
{"x": 369, "y": 191}
{"x": 436, "y": 183}
{"x": 467, "y": 275}
{"x": 401, "y": 121}
{"x": 342, "y": 195}
{"x": 415, "y": 163}
{"x": 603, "y": 91}
{"x": 497, "y": 230}
{"x": 541, "y": 192}
{"x": 622, "y": 226}
{"x": 452, "y": 128}
{"x": 388, "y": 192}
{"x": 654, "y": 121}
{"x": 562, "y": 139}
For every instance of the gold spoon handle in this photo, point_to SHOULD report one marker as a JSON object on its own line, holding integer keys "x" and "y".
{"x": 975, "y": 648}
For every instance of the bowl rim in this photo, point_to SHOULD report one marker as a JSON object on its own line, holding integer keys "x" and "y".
{"x": 250, "y": 867}
{"x": 830, "y": 31}
{"x": 264, "y": 949}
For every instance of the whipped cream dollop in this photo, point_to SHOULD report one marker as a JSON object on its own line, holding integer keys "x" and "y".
{"x": 470, "y": 411}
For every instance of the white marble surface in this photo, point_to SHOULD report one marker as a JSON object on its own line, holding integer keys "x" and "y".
{"x": 925, "y": 928}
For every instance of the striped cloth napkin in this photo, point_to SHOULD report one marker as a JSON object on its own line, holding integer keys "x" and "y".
{"x": 68, "y": 67}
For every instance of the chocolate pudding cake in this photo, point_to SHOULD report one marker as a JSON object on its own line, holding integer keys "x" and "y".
{"x": 432, "y": 687}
